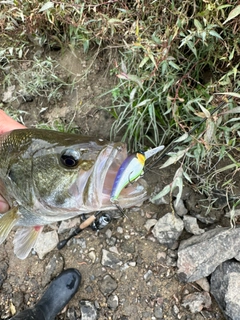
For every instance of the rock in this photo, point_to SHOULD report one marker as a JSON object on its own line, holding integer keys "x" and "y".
{"x": 46, "y": 242}
{"x": 180, "y": 208}
{"x": 8, "y": 95}
{"x": 150, "y": 223}
{"x": 88, "y": 310}
{"x": 110, "y": 260}
{"x": 199, "y": 256}
{"x": 158, "y": 312}
{"x": 225, "y": 287}
{"x": 68, "y": 224}
{"x": 112, "y": 301}
{"x": 107, "y": 285}
{"x": 204, "y": 284}
{"x": 147, "y": 275}
{"x": 197, "y": 301}
{"x": 191, "y": 226}
{"x": 168, "y": 229}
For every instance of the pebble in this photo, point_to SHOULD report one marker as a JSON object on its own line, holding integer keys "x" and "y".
{"x": 158, "y": 312}
{"x": 53, "y": 268}
{"x": 46, "y": 243}
{"x": 180, "y": 208}
{"x": 204, "y": 284}
{"x": 197, "y": 301}
{"x": 148, "y": 275}
{"x": 191, "y": 225}
{"x": 88, "y": 310}
{"x": 150, "y": 223}
{"x": 110, "y": 260}
{"x": 168, "y": 229}
{"x": 120, "y": 230}
{"x": 107, "y": 285}
{"x": 112, "y": 301}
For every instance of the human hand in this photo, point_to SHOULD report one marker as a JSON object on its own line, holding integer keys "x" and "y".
{"x": 7, "y": 124}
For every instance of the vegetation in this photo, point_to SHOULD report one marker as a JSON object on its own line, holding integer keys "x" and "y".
{"x": 175, "y": 59}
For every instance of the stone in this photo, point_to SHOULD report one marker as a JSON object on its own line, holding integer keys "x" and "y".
{"x": 197, "y": 301}
{"x": 88, "y": 310}
{"x": 191, "y": 225}
{"x": 110, "y": 260}
{"x": 107, "y": 285}
{"x": 199, "y": 256}
{"x": 53, "y": 268}
{"x": 150, "y": 223}
{"x": 168, "y": 229}
{"x": 46, "y": 242}
{"x": 68, "y": 224}
{"x": 180, "y": 208}
{"x": 8, "y": 95}
{"x": 225, "y": 287}
{"x": 204, "y": 284}
{"x": 112, "y": 301}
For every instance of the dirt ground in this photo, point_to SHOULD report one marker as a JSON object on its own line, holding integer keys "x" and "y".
{"x": 147, "y": 285}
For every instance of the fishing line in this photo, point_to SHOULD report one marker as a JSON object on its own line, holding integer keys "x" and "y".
{"x": 175, "y": 142}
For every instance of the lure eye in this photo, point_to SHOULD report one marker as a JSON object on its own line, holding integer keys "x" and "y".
{"x": 70, "y": 158}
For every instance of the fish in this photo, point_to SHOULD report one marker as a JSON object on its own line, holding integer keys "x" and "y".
{"x": 48, "y": 176}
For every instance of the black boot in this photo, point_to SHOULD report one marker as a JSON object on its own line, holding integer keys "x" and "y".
{"x": 55, "y": 298}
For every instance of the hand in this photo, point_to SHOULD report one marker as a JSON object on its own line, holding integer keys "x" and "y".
{"x": 7, "y": 124}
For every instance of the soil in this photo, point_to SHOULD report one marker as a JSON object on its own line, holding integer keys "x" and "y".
{"x": 147, "y": 283}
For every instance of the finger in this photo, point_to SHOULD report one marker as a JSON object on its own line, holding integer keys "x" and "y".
{"x": 3, "y": 205}
{"x": 8, "y": 124}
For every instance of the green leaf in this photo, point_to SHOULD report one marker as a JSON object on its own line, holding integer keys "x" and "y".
{"x": 233, "y": 14}
{"x": 161, "y": 194}
{"x": 174, "y": 158}
{"x": 46, "y": 6}
{"x": 215, "y": 34}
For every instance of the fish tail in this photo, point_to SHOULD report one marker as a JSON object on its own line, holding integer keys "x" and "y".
{"x": 7, "y": 222}
{"x": 25, "y": 239}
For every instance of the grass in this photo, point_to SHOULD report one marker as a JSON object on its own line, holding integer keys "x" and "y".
{"x": 173, "y": 59}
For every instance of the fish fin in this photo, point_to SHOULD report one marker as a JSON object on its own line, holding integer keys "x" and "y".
{"x": 25, "y": 239}
{"x": 7, "y": 222}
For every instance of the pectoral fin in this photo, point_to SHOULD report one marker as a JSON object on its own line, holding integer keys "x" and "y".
{"x": 7, "y": 222}
{"x": 25, "y": 239}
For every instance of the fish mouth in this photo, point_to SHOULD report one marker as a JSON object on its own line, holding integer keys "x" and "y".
{"x": 97, "y": 186}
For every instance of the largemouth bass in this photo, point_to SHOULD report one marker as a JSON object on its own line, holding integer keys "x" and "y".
{"x": 48, "y": 176}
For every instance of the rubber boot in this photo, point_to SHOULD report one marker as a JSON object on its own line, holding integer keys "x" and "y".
{"x": 56, "y": 297}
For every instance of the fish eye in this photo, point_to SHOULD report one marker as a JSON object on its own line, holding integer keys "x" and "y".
{"x": 70, "y": 158}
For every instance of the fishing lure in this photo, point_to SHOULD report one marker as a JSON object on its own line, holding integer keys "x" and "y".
{"x": 130, "y": 170}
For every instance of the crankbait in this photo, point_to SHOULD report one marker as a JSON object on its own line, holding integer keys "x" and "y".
{"x": 130, "y": 170}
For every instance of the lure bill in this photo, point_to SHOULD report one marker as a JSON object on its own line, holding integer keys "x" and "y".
{"x": 130, "y": 170}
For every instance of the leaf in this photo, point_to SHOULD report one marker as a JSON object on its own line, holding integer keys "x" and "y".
{"x": 46, "y": 6}
{"x": 215, "y": 34}
{"x": 234, "y": 110}
{"x": 174, "y": 158}
{"x": 161, "y": 194}
{"x": 233, "y": 14}
{"x": 232, "y": 94}
{"x": 182, "y": 138}
{"x": 205, "y": 111}
{"x": 178, "y": 183}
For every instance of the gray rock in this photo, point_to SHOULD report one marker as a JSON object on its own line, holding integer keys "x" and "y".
{"x": 168, "y": 229}
{"x": 8, "y": 95}
{"x": 46, "y": 242}
{"x": 180, "y": 208}
{"x": 225, "y": 287}
{"x": 150, "y": 223}
{"x": 110, "y": 260}
{"x": 68, "y": 224}
{"x": 191, "y": 226}
{"x": 197, "y": 301}
{"x": 112, "y": 302}
{"x": 200, "y": 255}
{"x": 88, "y": 310}
{"x": 148, "y": 275}
{"x": 107, "y": 285}
{"x": 158, "y": 312}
